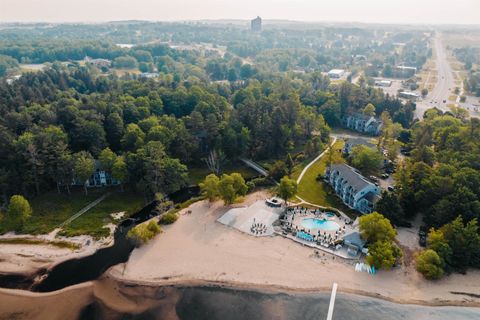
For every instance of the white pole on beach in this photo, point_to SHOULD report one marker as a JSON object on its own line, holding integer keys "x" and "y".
{"x": 332, "y": 301}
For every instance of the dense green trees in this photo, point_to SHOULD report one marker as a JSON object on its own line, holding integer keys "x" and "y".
{"x": 379, "y": 233}
{"x": 365, "y": 159}
{"x": 457, "y": 246}
{"x": 375, "y": 227}
{"x": 442, "y": 180}
{"x": 125, "y": 62}
{"x": 430, "y": 264}
{"x": 83, "y": 166}
{"x": 231, "y": 186}
{"x": 18, "y": 211}
{"x": 227, "y": 187}
{"x": 287, "y": 188}
{"x": 209, "y": 187}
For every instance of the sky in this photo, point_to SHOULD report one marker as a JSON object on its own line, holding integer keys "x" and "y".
{"x": 377, "y": 11}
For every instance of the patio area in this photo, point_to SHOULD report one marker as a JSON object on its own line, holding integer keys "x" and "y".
{"x": 321, "y": 229}
{"x": 256, "y": 220}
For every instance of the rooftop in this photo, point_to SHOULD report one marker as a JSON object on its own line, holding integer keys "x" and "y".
{"x": 336, "y": 71}
{"x": 352, "y": 176}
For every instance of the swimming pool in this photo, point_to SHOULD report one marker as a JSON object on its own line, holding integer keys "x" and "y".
{"x": 304, "y": 236}
{"x": 330, "y": 214}
{"x": 327, "y": 225}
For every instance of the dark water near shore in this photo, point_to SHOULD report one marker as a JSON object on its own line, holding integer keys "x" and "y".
{"x": 91, "y": 267}
{"x": 202, "y": 303}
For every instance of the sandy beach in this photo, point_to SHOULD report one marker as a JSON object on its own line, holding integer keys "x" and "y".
{"x": 27, "y": 259}
{"x": 198, "y": 250}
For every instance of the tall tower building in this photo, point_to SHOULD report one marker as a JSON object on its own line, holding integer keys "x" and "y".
{"x": 256, "y": 24}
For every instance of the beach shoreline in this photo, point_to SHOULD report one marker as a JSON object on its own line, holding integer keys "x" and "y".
{"x": 29, "y": 260}
{"x": 198, "y": 250}
{"x": 276, "y": 289}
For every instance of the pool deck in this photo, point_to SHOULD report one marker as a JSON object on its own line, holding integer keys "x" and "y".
{"x": 245, "y": 217}
{"x": 342, "y": 253}
{"x": 294, "y": 219}
{"x": 259, "y": 213}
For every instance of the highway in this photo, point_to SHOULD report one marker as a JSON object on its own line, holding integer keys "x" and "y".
{"x": 445, "y": 82}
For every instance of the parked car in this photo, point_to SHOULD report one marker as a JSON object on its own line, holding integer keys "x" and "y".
{"x": 385, "y": 176}
{"x": 390, "y": 188}
{"x": 373, "y": 178}
{"x": 422, "y": 241}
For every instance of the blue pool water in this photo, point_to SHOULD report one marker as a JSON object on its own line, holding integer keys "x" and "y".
{"x": 304, "y": 236}
{"x": 330, "y": 214}
{"x": 327, "y": 225}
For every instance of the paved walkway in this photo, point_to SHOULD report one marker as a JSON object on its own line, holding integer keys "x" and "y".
{"x": 315, "y": 160}
{"x": 302, "y": 201}
{"x": 255, "y": 166}
{"x": 83, "y": 210}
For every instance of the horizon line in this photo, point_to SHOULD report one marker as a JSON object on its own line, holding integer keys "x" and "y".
{"x": 240, "y": 20}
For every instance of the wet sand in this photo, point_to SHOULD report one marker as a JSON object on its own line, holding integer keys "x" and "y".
{"x": 107, "y": 299}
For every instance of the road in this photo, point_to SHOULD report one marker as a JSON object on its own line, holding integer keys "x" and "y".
{"x": 445, "y": 82}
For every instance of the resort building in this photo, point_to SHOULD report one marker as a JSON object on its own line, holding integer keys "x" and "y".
{"x": 362, "y": 123}
{"x": 353, "y": 142}
{"x": 354, "y": 242}
{"x": 256, "y": 24}
{"x": 354, "y": 189}
{"x": 336, "y": 73}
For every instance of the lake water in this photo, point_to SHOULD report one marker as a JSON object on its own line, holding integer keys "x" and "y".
{"x": 203, "y": 303}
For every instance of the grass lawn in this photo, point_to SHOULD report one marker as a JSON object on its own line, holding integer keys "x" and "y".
{"x": 92, "y": 221}
{"x": 51, "y": 209}
{"x": 59, "y": 244}
{"x": 317, "y": 192}
{"x": 198, "y": 174}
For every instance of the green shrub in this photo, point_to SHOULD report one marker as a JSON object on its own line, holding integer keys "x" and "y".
{"x": 262, "y": 182}
{"x": 168, "y": 218}
{"x": 430, "y": 264}
{"x": 142, "y": 233}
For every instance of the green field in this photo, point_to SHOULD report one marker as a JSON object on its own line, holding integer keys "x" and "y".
{"x": 92, "y": 221}
{"x": 317, "y": 192}
{"x": 51, "y": 209}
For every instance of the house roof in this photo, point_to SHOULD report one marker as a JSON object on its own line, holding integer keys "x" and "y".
{"x": 353, "y": 178}
{"x": 354, "y": 238}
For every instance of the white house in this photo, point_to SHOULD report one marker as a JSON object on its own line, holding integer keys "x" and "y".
{"x": 354, "y": 189}
{"x": 336, "y": 73}
{"x": 99, "y": 178}
{"x": 362, "y": 123}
